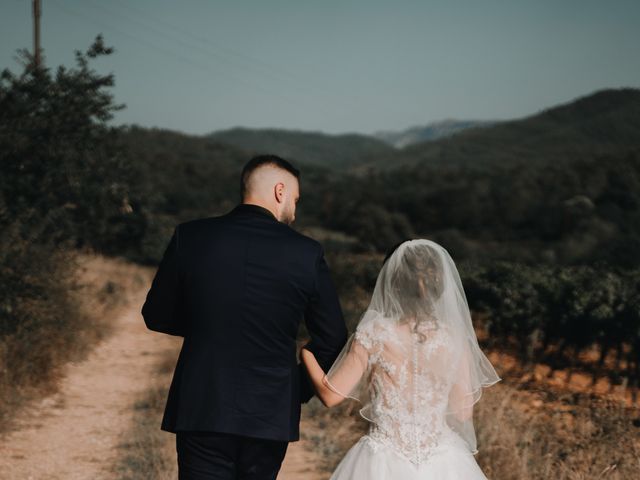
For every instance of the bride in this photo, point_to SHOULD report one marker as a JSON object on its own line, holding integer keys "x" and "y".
{"x": 415, "y": 365}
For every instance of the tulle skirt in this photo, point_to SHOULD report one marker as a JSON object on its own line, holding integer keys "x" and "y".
{"x": 370, "y": 460}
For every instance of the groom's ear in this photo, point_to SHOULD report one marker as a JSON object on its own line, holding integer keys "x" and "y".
{"x": 278, "y": 191}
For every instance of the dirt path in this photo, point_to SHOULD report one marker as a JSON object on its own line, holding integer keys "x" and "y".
{"x": 76, "y": 432}
{"x": 73, "y": 434}
{"x": 301, "y": 463}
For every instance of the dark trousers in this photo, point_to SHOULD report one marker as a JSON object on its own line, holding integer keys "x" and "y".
{"x": 222, "y": 456}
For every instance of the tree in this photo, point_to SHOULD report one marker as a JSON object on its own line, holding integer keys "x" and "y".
{"x": 61, "y": 166}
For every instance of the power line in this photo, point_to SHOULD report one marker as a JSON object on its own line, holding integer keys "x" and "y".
{"x": 251, "y": 61}
{"x": 346, "y": 104}
{"x": 232, "y": 58}
{"x": 176, "y": 55}
{"x": 208, "y": 52}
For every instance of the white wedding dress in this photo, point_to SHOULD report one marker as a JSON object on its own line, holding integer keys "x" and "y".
{"x": 417, "y": 380}
{"x": 408, "y": 438}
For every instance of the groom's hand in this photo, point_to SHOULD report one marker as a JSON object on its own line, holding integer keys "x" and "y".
{"x": 325, "y": 324}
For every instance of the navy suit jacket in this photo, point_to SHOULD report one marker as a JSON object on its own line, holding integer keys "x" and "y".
{"x": 236, "y": 287}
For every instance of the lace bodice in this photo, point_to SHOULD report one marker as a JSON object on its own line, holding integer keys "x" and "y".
{"x": 408, "y": 398}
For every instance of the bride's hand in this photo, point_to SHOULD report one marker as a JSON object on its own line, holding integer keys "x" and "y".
{"x": 317, "y": 374}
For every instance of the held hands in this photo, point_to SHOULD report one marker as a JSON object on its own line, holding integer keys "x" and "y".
{"x": 317, "y": 375}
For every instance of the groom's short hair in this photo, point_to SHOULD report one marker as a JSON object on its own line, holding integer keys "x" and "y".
{"x": 259, "y": 161}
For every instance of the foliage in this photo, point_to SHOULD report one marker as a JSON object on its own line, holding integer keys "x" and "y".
{"x": 574, "y": 212}
{"x": 556, "y": 313}
{"x": 63, "y": 185}
{"x": 59, "y": 160}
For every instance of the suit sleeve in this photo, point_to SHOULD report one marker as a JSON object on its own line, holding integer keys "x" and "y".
{"x": 161, "y": 309}
{"x": 325, "y": 324}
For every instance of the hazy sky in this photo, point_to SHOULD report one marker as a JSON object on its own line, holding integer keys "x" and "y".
{"x": 338, "y": 66}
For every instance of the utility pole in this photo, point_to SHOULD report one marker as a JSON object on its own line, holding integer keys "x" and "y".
{"x": 36, "y": 31}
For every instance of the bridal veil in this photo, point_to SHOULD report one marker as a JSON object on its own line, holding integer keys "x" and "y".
{"x": 418, "y": 293}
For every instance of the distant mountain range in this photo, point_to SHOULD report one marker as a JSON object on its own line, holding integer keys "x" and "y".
{"x": 604, "y": 122}
{"x": 432, "y": 131}
{"x": 334, "y": 151}
{"x": 338, "y": 151}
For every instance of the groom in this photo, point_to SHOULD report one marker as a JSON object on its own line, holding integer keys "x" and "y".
{"x": 237, "y": 287}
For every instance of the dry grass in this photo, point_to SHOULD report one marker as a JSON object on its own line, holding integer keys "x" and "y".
{"x": 527, "y": 433}
{"x": 62, "y": 312}
{"x": 331, "y": 432}
{"x": 145, "y": 450}
{"x": 524, "y": 433}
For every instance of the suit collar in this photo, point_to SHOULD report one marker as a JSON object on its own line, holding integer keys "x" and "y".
{"x": 253, "y": 209}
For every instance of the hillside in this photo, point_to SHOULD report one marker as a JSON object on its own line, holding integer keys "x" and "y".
{"x": 179, "y": 177}
{"x": 432, "y": 131}
{"x": 523, "y": 198}
{"x": 185, "y": 173}
{"x": 603, "y": 123}
{"x": 335, "y": 151}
